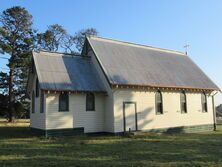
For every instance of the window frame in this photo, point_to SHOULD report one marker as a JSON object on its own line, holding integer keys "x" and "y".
{"x": 37, "y": 87}
{"x": 157, "y": 103}
{"x": 204, "y": 105}
{"x": 66, "y": 99}
{"x": 87, "y": 101}
{"x": 183, "y": 103}
{"x": 42, "y": 100}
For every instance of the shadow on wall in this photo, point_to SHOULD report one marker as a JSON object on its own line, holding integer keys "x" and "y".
{"x": 57, "y": 119}
{"x": 142, "y": 115}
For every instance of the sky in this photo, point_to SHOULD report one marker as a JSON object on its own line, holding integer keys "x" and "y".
{"x": 167, "y": 24}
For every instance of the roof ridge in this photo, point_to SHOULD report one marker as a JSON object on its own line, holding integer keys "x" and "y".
{"x": 138, "y": 45}
{"x": 52, "y": 53}
{"x": 64, "y": 53}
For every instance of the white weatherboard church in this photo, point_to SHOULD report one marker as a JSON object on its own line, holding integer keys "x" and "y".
{"x": 116, "y": 87}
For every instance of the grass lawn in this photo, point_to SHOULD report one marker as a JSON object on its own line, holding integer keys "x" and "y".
{"x": 19, "y": 148}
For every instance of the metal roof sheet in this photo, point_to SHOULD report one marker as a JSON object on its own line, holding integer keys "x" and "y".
{"x": 132, "y": 64}
{"x": 63, "y": 72}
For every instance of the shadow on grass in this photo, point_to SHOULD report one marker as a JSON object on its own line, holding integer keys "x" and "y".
{"x": 14, "y": 132}
{"x": 19, "y": 148}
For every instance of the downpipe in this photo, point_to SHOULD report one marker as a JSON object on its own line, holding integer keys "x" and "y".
{"x": 214, "y": 110}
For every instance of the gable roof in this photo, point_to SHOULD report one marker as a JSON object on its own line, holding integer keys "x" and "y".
{"x": 132, "y": 64}
{"x": 65, "y": 72}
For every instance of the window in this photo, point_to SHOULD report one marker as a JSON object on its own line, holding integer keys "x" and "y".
{"x": 42, "y": 102}
{"x": 63, "y": 102}
{"x": 33, "y": 102}
{"x": 90, "y": 102}
{"x": 183, "y": 102}
{"x": 204, "y": 102}
{"x": 37, "y": 87}
{"x": 159, "y": 103}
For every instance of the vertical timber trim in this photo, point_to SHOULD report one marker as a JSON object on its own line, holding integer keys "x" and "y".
{"x": 124, "y": 121}
{"x": 214, "y": 114}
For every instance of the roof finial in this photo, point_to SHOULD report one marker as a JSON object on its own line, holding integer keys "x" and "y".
{"x": 186, "y": 48}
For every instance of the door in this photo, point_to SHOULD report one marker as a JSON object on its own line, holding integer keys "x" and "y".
{"x": 129, "y": 116}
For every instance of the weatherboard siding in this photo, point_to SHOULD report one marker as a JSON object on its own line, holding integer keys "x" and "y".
{"x": 54, "y": 118}
{"x": 37, "y": 119}
{"x": 109, "y": 116}
{"x": 92, "y": 121}
{"x": 172, "y": 116}
{"x": 77, "y": 116}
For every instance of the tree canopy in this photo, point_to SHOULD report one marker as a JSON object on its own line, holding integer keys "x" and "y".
{"x": 52, "y": 38}
{"x": 17, "y": 40}
{"x": 57, "y": 38}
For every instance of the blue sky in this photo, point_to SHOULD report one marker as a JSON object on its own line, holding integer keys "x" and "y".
{"x": 168, "y": 24}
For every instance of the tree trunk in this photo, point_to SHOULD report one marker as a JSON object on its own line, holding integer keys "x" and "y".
{"x": 10, "y": 93}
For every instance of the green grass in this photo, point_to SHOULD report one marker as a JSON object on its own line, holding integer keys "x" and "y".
{"x": 19, "y": 148}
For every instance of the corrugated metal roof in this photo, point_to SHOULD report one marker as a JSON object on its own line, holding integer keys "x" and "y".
{"x": 131, "y": 64}
{"x": 63, "y": 72}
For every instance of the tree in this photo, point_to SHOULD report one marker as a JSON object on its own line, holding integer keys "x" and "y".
{"x": 16, "y": 40}
{"x": 52, "y": 38}
{"x": 80, "y": 37}
{"x": 68, "y": 44}
{"x": 3, "y": 105}
{"x": 4, "y": 82}
{"x": 56, "y": 38}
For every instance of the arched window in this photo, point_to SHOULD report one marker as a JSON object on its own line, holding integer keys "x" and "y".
{"x": 183, "y": 102}
{"x": 33, "y": 102}
{"x": 204, "y": 102}
{"x": 63, "y": 102}
{"x": 37, "y": 87}
{"x": 159, "y": 103}
{"x": 90, "y": 102}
